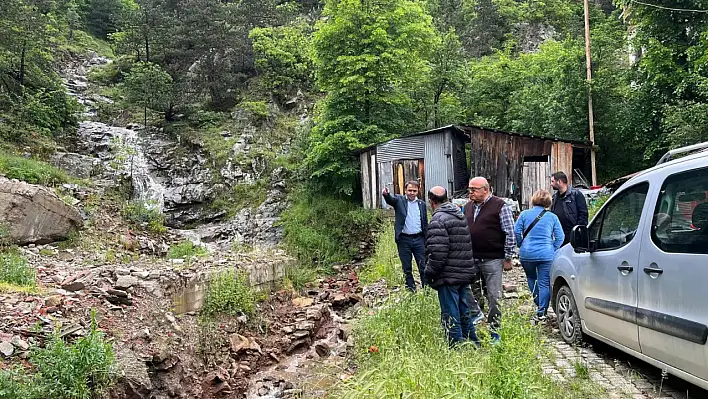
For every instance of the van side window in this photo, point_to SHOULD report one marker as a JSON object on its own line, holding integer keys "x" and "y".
{"x": 680, "y": 220}
{"x": 620, "y": 218}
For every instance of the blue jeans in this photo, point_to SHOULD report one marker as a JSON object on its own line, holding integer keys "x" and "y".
{"x": 538, "y": 274}
{"x": 455, "y": 314}
{"x": 409, "y": 247}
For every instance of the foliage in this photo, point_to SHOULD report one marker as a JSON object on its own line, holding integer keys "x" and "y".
{"x": 149, "y": 86}
{"x": 228, "y": 293}
{"x": 368, "y": 56}
{"x": 299, "y": 276}
{"x": 595, "y": 205}
{"x": 241, "y": 196}
{"x": 145, "y": 213}
{"x": 15, "y": 270}
{"x": 323, "y": 230}
{"x": 82, "y": 370}
{"x": 186, "y": 250}
{"x": 384, "y": 264}
{"x": 282, "y": 58}
{"x": 31, "y": 170}
{"x": 395, "y": 342}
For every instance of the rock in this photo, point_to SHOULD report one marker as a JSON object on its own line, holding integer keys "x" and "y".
{"x": 34, "y": 214}
{"x": 119, "y": 293}
{"x": 339, "y": 300}
{"x": 142, "y": 275}
{"x": 20, "y": 343}
{"x": 133, "y": 375}
{"x": 125, "y": 282}
{"x": 6, "y": 348}
{"x": 509, "y": 287}
{"x": 288, "y": 330}
{"x": 303, "y": 302}
{"x": 239, "y": 343}
{"x": 122, "y": 272}
{"x": 81, "y": 166}
{"x": 263, "y": 391}
{"x": 52, "y": 301}
{"x": 74, "y": 286}
{"x": 301, "y": 334}
{"x": 322, "y": 349}
{"x": 305, "y": 325}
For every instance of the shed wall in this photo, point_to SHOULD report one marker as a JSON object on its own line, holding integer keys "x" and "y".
{"x": 437, "y": 162}
{"x": 403, "y": 148}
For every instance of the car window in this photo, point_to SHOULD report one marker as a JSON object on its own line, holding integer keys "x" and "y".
{"x": 680, "y": 220}
{"x": 620, "y": 218}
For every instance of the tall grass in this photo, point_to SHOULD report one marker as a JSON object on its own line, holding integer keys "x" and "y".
{"x": 15, "y": 270}
{"x": 401, "y": 352}
{"x": 228, "y": 293}
{"x": 385, "y": 263}
{"x": 31, "y": 170}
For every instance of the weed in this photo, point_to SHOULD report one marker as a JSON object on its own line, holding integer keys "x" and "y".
{"x": 241, "y": 247}
{"x": 70, "y": 241}
{"x": 82, "y": 370}
{"x": 324, "y": 230}
{"x": 46, "y": 252}
{"x": 145, "y": 213}
{"x": 581, "y": 370}
{"x": 31, "y": 170}
{"x": 395, "y": 342}
{"x": 186, "y": 250}
{"x": 15, "y": 270}
{"x": 5, "y": 238}
{"x": 110, "y": 256}
{"x": 228, "y": 293}
{"x": 241, "y": 196}
{"x": 384, "y": 264}
{"x": 298, "y": 276}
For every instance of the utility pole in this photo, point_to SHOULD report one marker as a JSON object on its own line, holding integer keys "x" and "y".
{"x": 591, "y": 120}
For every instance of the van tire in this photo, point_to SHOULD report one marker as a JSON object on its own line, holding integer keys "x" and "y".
{"x": 569, "y": 322}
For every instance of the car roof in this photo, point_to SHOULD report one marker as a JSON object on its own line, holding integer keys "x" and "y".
{"x": 640, "y": 175}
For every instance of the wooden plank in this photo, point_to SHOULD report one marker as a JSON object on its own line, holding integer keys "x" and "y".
{"x": 421, "y": 178}
{"x": 366, "y": 198}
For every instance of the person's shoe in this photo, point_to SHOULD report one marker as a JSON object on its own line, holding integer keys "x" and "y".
{"x": 478, "y": 319}
{"x": 496, "y": 339}
{"x": 539, "y": 319}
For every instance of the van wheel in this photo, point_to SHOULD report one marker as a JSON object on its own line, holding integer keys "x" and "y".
{"x": 568, "y": 316}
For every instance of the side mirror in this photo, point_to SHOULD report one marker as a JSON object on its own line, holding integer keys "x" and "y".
{"x": 580, "y": 239}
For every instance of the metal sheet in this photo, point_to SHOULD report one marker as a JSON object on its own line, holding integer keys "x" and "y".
{"x": 438, "y": 165}
{"x": 403, "y": 148}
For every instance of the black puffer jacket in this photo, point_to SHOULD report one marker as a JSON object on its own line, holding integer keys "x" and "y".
{"x": 448, "y": 248}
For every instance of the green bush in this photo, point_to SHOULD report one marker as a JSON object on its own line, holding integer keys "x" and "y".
{"x": 385, "y": 263}
{"x": 320, "y": 230}
{"x": 399, "y": 340}
{"x": 15, "y": 270}
{"x": 186, "y": 250}
{"x": 82, "y": 370}
{"x": 145, "y": 213}
{"x": 228, "y": 293}
{"x": 298, "y": 276}
{"x": 595, "y": 205}
{"x": 31, "y": 170}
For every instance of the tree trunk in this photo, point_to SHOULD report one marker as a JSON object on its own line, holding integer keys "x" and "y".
{"x": 436, "y": 105}
{"x": 23, "y": 55}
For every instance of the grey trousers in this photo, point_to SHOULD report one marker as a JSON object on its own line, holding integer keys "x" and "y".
{"x": 491, "y": 272}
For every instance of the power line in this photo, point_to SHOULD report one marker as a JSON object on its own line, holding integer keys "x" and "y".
{"x": 668, "y": 8}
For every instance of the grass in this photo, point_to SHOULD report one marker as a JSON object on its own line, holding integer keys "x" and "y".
{"x": 82, "y": 370}
{"x": 385, "y": 263}
{"x": 186, "y": 250}
{"x": 15, "y": 270}
{"x": 297, "y": 277}
{"x": 228, "y": 293}
{"x": 241, "y": 196}
{"x": 145, "y": 214}
{"x": 581, "y": 370}
{"x": 321, "y": 230}
{"x": 401, "y": 352}
{"x": 31, "y": 170}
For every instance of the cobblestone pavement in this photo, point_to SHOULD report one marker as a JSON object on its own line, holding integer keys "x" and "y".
{"x": 620, "y": 375}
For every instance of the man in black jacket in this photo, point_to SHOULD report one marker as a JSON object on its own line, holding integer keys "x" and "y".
{"x": 568, "y": 204}
{"x": 411, "y": 223}
{"x": 450, "y": 265}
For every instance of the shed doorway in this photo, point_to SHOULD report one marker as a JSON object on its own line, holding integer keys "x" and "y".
{"x": 405, "y": 170}
{"x": 535, "y": 175}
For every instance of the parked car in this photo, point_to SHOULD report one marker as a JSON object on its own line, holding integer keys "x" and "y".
{"x": 634, "y": 277}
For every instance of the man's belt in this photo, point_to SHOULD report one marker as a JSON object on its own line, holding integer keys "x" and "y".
{"x": 412, "y": 235}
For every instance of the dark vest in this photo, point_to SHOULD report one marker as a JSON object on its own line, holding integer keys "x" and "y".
{"x": 487, "y": 235}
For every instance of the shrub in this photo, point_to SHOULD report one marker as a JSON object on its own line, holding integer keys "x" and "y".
{"x": 186, "y": 250}
{"x": 15, "y": 270}
{"x": 384, "y": 264}
{"x": 321, "y": 230}
{"x": 297, "y": 276}
{"x": 82, "y": 370}
{"x": 228, "y": 293}
{"x": 401, "y": 351}
{"x": 145, "y": 213}
{"x": 31, "y": 170}
{"x": 595, "y": 205}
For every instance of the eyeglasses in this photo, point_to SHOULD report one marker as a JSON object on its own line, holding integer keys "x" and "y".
{"x": 473, "y": 189}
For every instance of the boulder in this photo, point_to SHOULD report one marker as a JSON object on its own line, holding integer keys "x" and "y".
{"x": 33, "y": 214}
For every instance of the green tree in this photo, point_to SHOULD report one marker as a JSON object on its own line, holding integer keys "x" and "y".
{"x": 369, "y": 57}
{"x": 149, "y": 86}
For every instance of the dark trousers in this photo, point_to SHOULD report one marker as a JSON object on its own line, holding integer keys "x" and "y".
{"x": 409, "y": 247}
{"x": 455, "y": 314}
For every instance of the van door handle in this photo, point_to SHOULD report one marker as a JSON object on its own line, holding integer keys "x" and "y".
{"x": 650, "y": 270}
{"x": 624, "y": 268}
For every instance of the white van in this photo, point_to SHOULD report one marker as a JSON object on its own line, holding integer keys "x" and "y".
{"x": 635, "y": 276}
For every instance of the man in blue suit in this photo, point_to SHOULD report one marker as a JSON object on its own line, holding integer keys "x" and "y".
{"x": 410, "y": 227}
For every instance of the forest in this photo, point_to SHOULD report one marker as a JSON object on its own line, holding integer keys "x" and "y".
{"x": 373, "y": 70}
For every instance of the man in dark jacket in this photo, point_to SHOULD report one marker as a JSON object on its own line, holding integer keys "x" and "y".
{"x": 450, "y": 265}
{"x": 568, "y": 204}
{"x": 411, "y": 223}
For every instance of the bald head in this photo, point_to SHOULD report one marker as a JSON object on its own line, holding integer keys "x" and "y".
{"x": 478, "y": 189}
{"x": 437, "y": 196}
